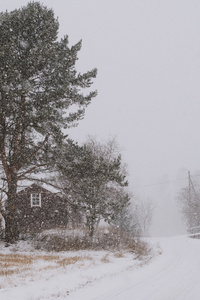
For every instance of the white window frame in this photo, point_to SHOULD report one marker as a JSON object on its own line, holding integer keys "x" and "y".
{"x": 33, "y": 198}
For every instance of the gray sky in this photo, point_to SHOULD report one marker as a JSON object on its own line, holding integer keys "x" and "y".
{"x": 148, "y": 57}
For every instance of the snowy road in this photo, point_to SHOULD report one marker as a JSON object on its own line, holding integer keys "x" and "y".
{"x": 173, "y": 275}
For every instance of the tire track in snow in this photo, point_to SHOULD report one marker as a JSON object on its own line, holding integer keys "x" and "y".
{"x": 173, "y": 276}
{"x": 122, "y": 292}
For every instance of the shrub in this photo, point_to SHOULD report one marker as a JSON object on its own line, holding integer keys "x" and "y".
{"x": 107, "y": 238}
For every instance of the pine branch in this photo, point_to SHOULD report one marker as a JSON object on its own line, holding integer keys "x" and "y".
{"x": 2, "y": 190}
{"x": 40, "y": 147}
{"x": 30, "y": 171}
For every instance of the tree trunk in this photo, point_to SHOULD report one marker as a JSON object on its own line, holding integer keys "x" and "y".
{"x": 11, "y": 229}
{"x": 11, "y": 226}
{"x": 90, "y": 225}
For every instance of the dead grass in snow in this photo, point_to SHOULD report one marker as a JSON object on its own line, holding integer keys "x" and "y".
{"x": 105, "y": 258}
{"x": 23, "y": 265}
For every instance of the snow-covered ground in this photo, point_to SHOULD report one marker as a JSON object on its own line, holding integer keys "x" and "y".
{"x": 172, "y": 273}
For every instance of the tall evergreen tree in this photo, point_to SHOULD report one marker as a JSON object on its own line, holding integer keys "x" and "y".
{"x": 38, "y": 85}
{"x": 93, "y": 184}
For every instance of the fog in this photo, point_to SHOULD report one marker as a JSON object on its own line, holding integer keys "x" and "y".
{"x": 148, "y": 57}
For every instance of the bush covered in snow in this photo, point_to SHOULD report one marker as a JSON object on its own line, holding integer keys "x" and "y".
{"x": 108, "y": 238}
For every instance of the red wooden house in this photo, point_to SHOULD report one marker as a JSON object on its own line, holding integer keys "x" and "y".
{"x": 39, "y": 209}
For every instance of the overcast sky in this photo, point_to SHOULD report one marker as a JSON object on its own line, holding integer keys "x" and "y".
{"x": 148, "y": 57}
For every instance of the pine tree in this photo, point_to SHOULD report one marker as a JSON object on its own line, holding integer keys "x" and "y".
{"x": 92, "y": 184}
{"x": 38, "y": 85}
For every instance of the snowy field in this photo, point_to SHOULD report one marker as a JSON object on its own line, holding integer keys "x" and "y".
{"x": 172, "y": 271}
{"x": 27, "y": 274}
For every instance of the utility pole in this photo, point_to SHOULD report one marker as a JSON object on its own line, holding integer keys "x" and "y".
{"x": 189, "y": 182}
{"x": 191, "y": 186}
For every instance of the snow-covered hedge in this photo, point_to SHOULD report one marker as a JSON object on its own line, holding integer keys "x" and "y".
{"x": 109, "y": 238}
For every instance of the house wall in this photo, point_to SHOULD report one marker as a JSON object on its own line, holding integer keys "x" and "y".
{"x": 51, "y": 214}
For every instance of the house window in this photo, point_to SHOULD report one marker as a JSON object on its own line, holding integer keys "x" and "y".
{"x": 35, "y": 199}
